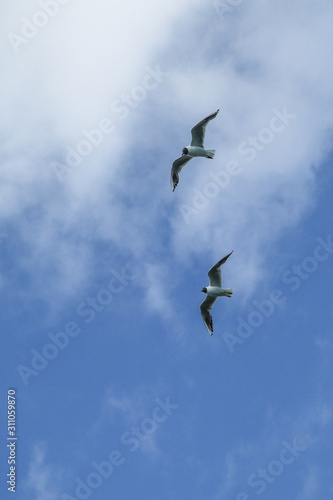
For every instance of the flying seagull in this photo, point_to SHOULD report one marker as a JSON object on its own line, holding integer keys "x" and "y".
{"x": 196, "y": 148}
{"x": 213, "y": 291}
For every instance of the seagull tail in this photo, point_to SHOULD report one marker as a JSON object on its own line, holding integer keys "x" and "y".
{"x": 210, "y": 153}
{"x": 228, "y": 292}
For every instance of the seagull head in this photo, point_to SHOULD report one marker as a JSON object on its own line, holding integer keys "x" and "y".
{"x": 204, "y": 290}
{"x": 185, "y": 151}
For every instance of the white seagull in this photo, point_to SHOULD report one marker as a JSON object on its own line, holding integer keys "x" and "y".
{"x": 213, "y": 291}
{"x": 196, "y": 148}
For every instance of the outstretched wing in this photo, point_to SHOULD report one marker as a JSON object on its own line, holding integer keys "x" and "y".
{"x": 199, "y": 130}
{"x": 214, "y": 272}
{"x": 176, "y": 168}
{"x": 205, "y": 307}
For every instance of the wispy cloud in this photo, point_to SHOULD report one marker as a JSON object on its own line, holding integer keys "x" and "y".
{"x": 301, "y": 433}
{"x": 272, "y": 192}
{"x": 42, "y": 480}
{"x": 137, "y": 414}
{"x": 156, "y": 290}
{"x": 311, "y": 483}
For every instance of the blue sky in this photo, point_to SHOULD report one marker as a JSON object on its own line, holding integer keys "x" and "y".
{"x": 120, "y": 391}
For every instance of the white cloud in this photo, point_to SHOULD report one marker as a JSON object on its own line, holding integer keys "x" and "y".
{"x": 134, "y": 411}
{"x": 120, "y": 193}
{"x": 156, "y": 292}
{"x": 232, "y": 467}
{"x": 307, "y": 427}
{"x": 42, "y": 479}
{"x": 311, "y": 483}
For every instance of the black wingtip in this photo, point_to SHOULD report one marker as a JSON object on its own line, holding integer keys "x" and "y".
{"x": 174, "y": 182}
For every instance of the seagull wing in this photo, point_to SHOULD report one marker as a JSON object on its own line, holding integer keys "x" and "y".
{"x": 214, "y": 272}
{"x": 205, "y": 307}
{"x": 176, "y": 168}
{"x": 198, "y": 131}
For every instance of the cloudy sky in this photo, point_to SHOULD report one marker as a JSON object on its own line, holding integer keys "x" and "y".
{"x": 120, "y": 391}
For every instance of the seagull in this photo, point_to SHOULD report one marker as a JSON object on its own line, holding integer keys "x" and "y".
{"x": 213, "y": 291}
{"x": 196, "y": 148}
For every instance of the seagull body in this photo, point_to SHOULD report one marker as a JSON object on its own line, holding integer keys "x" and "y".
{"x": 196, "y": 148}
{"x": 213, "y": 291}
{"x": 216, "y": 291}
{"x": 193, "y": 151}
